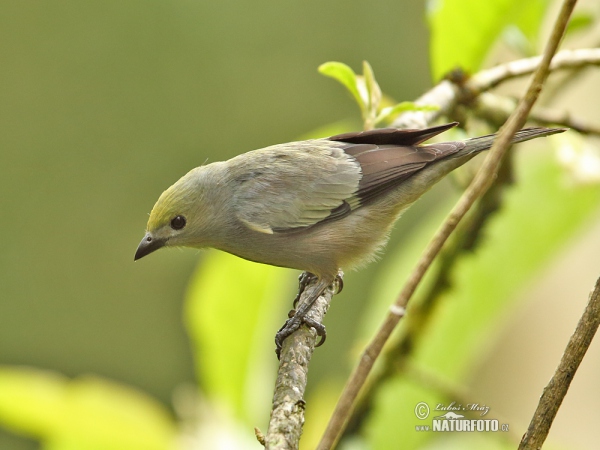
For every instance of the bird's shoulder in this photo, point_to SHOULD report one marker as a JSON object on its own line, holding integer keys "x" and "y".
{"x": 294, "y": 185}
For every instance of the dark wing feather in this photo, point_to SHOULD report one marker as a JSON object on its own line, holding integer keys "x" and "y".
{"x": 392, "y": 136}
{"x": 389, "y": 156}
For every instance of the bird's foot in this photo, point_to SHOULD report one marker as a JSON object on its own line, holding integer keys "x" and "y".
{"x": 303, "y": 280}
{"x": 294, "y": 322}
{"x": 298, "y": 317}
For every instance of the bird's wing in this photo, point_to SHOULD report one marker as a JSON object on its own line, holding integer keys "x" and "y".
{"x": 296, "y": 185}
{"x": 395, "y": 156}
{"x": 300, "y": 184}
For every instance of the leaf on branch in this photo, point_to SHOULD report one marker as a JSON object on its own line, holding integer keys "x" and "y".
{"x": 373, "y": 92}
{"x": 346, "y": 76}
{"x": 364, "y": 88}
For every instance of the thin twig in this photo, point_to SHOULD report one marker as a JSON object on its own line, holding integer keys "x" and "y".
{"x": 547, "y": 116}
{"x": 565, "y": 59}
{"x": 444, "y": 95}
{"x": 478, "y": 187}
{"x": 287, "y": 413}
{"x": 495, "y": 107}
{"x": 557, "y": 388}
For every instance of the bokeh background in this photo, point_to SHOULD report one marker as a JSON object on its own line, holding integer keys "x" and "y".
{"x": 105, "y": 104}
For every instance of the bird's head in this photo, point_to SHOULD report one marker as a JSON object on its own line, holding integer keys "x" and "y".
{"x": 177, "y": 216}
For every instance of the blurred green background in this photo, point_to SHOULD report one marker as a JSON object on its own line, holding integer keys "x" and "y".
{"x": 105, "y": 104}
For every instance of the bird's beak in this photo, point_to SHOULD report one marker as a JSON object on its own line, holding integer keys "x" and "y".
{"x": 148, "y": 245}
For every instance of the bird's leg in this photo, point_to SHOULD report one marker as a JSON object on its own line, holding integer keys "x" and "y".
{"x": 298, "y": 317}
{"x": 303, "y": 280}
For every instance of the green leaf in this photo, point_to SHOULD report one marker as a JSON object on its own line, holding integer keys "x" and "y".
{"x": 373, "y": 89}
{"x": 233, "y": 309}
{"x": 346, "y": 76}
{"x": 85, "y": 413}
{"x": 373, "y": 95}
{"x": 463, "y": 31}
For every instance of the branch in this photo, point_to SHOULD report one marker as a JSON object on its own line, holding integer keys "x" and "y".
{"x": 547, "y": 116}
{"x": 287, "y": 412}
{"x": 557, "y": 388}
{"x": 566, "y": 59}
{"x": 462, "y": 90}
{"x": 478, "y": 187}
{"x": 497, "y": 108}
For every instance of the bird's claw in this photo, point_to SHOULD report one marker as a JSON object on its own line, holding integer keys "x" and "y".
{"x": 319, "y": 328}
{"x": 292, "y": 324}
{"x": 299, "y": 316}
{"x": 339, "y": 282}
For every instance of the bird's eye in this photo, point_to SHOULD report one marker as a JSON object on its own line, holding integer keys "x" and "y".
{"x": 178, "y": 222}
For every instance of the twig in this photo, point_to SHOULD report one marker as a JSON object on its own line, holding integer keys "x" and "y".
{"x": 495, "y": 107}
{"x": 287, "y": 413}
{"x": 449, "y": 93}
{"x": 565, "y": 59}
{"x": 478, "y": 187}
{"x": 445, "y": 95}
{"x": 557, "y": 388}
{"x": 547, "y": 116}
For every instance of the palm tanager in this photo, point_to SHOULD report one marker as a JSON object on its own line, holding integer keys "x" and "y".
{"x": 317, "y": 205}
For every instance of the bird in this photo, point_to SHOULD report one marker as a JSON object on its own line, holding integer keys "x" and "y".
{"x": 318, "y": 205}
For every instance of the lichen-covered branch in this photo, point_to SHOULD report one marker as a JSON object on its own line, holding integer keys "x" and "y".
{"x": 557, "y": 388}
{"x": 287, "y": 411}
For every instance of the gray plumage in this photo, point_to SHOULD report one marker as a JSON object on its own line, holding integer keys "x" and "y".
{"x": 316, "y": 205}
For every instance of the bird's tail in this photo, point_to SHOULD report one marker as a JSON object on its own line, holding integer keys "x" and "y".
{"x": 478, "y": 144}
